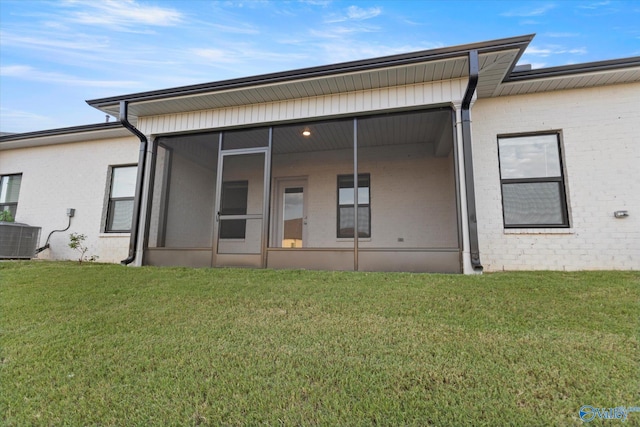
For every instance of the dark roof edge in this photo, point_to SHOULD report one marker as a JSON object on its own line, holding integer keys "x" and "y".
{"x": 326, "y": 70}
{"x": 565, "y": 70}
{"x": 61, "y": 131}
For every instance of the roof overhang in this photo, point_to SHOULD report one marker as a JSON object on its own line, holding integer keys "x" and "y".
{"x": 64, "y": 135}
{"x": 497, "y": 59}
{"x": 591, "y": 74}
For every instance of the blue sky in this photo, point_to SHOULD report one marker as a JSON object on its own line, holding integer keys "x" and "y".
{"x": 56, "y": 54}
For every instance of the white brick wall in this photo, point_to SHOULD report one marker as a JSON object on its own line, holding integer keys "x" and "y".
{"x": 58, "y": 177}
{"x": 600, "y": 130}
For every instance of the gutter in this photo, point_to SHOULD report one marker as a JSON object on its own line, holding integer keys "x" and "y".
{"x": 137, "y": 205}
{"x": 519, "y": 42}
{"x": 474, "y": 246}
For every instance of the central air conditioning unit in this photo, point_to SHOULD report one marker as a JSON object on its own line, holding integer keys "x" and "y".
{"x": 18, "y": 241}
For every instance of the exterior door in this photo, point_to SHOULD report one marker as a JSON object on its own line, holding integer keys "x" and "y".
{"x": 291, "y": 214}
{"x": 241, "y": 208}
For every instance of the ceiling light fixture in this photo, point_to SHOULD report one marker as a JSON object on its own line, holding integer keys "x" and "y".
{"x": 306, "y": 132}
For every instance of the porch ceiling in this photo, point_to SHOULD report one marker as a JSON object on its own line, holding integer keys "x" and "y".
{"x": 432, "y": 127}
{"x": 425, "y": 127}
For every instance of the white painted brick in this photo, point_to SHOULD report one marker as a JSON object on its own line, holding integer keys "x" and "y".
{"x": 601, "y": 152}
{"x": 58, "y": 177}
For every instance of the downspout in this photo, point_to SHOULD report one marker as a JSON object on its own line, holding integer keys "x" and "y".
{"x": 474, "y": 247}
{"x": 137, "y": 205}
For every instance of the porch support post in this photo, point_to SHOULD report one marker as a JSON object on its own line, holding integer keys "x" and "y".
{"x": 147, "y": 194}
{"x": 152, "y": 155}
{"x": 266, "y": 207}
{"x": 467, "y": 268}
{"x": 355, "y": 194}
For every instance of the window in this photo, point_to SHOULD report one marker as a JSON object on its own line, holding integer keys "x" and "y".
{"x": 346, "y": 216}
{"x": 533, "y": 193}
{"x": 234, "y": 202}
{"x": 121, "y": 195}
{"x": 9, "y": 192}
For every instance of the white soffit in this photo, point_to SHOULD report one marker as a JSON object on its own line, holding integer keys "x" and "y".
{"x": 583, "y": 80}
{"x": 493, "y": 67}
{"x": 430, "y": 71}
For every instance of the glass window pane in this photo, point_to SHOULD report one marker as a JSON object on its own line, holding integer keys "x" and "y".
{"x": 345, "y": 196}
{"x": 120, "y": 215}
{"x": 532, "y": 204}
{"x": 124, "y": 181}
{"x": 293, "y": 203}
{"x": 364, "y": 223}
{"x": 535, "y": 156}
{"x": 345, "y": 190}
{"x": 10, "y": 188}
{"x": 347, "y": 222}
{"x": 363, "y": 196}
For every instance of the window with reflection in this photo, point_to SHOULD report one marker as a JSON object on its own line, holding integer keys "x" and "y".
{"x": 121, "y": 199}
{"x": 533, "y": 192}
{"x": 346, "y": 210}
{"x": 9, "y": 192}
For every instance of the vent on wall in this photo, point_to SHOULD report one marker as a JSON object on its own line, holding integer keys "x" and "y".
{"x": 18, "y": 241}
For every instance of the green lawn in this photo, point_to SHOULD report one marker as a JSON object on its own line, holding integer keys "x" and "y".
{"x": 96, "y": 344}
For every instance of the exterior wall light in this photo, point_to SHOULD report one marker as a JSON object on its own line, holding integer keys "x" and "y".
{"x": 621, "y": 214}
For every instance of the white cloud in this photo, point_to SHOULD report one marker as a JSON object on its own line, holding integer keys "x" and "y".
{"x": 236, "y": 29}
{"x": 121, "y": 14}
{"x": 245, "y": 55}
{"x": 217, "y": 55}
{"x": 354, "y": 13}
{"x": 562, "y": 35}
{"x": 538, "y": 52}
{"x": 323, "y": 3}
{"x": 27, "y": 72}
{"x": 339, "y": 32}
{"x": 594, "y": 5}
{"x": 79, "y": 41}
{"x": 17, "y": 121}
{"x": 358, "y": 13}
{"x": 342, "y": 52}
{"x": 529, "y": 11}
{"x": 547, "y": 51}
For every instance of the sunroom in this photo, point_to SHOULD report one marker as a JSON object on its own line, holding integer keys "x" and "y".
{"x": 284, "y": 196}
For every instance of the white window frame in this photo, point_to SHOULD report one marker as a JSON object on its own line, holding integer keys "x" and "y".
{"x": 10, "y": 206}
{"x": 108, "y": 226}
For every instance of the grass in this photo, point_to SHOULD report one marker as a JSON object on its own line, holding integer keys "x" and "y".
{"x": 96, "y": 344}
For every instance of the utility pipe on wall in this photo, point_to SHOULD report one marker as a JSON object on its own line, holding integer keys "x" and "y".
{"x": 474, "y": 246}
{"x": 137, "y": 201}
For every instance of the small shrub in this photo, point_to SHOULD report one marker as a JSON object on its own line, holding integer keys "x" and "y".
{"x": 76, "y": 242}
{"x": 5, "y": 216}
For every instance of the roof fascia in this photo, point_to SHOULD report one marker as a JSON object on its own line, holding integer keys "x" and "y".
{"x": 568, "y": 70}
{"x": 60, "y": 131}
{"x": 520, "y": 42}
